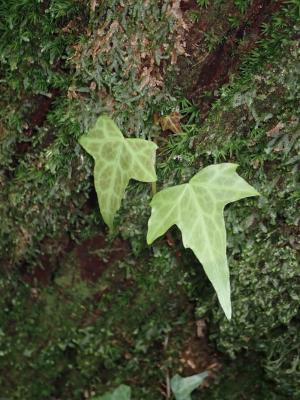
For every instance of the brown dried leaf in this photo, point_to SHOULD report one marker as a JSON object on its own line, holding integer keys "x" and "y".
{"x": 71, "y": 26}
{"x": 181, "y": 27}
{"x": 274, "y": 131}
{"x": 171, "y": 122}
{"x": 94, "y": 4}
{"x": 174, "y": 10}
{"x": 201, "y": 328}
{"x": 72, "y": 93}
{"x": 103, "y": 38}
{"x": 151, "y": 77}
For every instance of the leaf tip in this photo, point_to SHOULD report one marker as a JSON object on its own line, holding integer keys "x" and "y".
{"x": 108, "y": 219}
{"x": 228, "y": 316}
{"x": 149, "y": 239}
{"x": 228, "y": 310}
{"x": 225, "y": 300}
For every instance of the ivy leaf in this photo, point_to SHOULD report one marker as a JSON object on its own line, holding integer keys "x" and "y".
{"x": 171, "y": 122}
{"x": 117, "y": 160}
{"x": 197, "y": 209}
{"x": 123, "y": 392}
{"x": 183, "y": 387}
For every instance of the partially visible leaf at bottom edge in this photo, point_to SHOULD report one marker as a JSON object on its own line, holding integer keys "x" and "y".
{"x": 183, "y": 387}
{"x": 123, "y": 392}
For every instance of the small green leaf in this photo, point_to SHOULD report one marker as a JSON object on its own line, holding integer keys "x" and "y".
{"x": 123, "y": 392}
{"x": 183, "y": 387}
{"x": 117, "y": 160}
{"x": 197, "y": 209}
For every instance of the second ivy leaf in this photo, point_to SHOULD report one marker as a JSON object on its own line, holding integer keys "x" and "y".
{"x": 197, "y": 209}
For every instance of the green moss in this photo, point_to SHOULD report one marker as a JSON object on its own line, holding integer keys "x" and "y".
{"x": 53, "y": 173}
{"x": 242, "y": 379}
{"x": 33, "y": 40}
{"x": 77, "y": 337}
{"x": 262, "y": 234}
{"x": 72, "y": 339}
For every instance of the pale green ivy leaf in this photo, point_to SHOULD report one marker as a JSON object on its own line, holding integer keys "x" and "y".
{"x": 123, "y": 392}
{"x": 117, "y": 160}
{"x": 197, "y": 209}
{"x": 183, "y": 387}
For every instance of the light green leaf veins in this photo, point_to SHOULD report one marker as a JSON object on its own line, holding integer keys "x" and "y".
{"x": 117, "y": 160}
{"x": 183, "y": 387}
{"x": 197, "y": 209}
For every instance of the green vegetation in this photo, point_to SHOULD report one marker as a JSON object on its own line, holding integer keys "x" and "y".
{"x": 80, "y": 337}
{"x": 197, "y": 209}
{"x": 264, "y": 257}
{"x": 203, "y": 3}
{"x": 123, "y": 392}
{"x": 65, "y": 334}
{"x": 183, "y": 387}
{"x": 117, "y": 160}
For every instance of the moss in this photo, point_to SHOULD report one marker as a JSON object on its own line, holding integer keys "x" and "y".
{"x": 262, "y": 234}
{"x": 78, "y": 337}
{"x": 44, "y": 169}
{"x": 242, "y": 379}
{"x": 72, "y": 339}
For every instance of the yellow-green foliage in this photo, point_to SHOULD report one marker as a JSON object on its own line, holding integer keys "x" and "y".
{"x": 117, "y": 160}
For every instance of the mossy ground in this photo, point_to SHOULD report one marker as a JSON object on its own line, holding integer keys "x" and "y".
{"x": 62, "y": 64}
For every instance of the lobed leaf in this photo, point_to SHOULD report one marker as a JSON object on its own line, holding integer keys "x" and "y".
{"x": 171, "y": 122}
{"x": 197, "y": 209}
{"x": 117, "y": 160}
{"x": 123, "y": 392}
{"x": 183, "y": 387}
